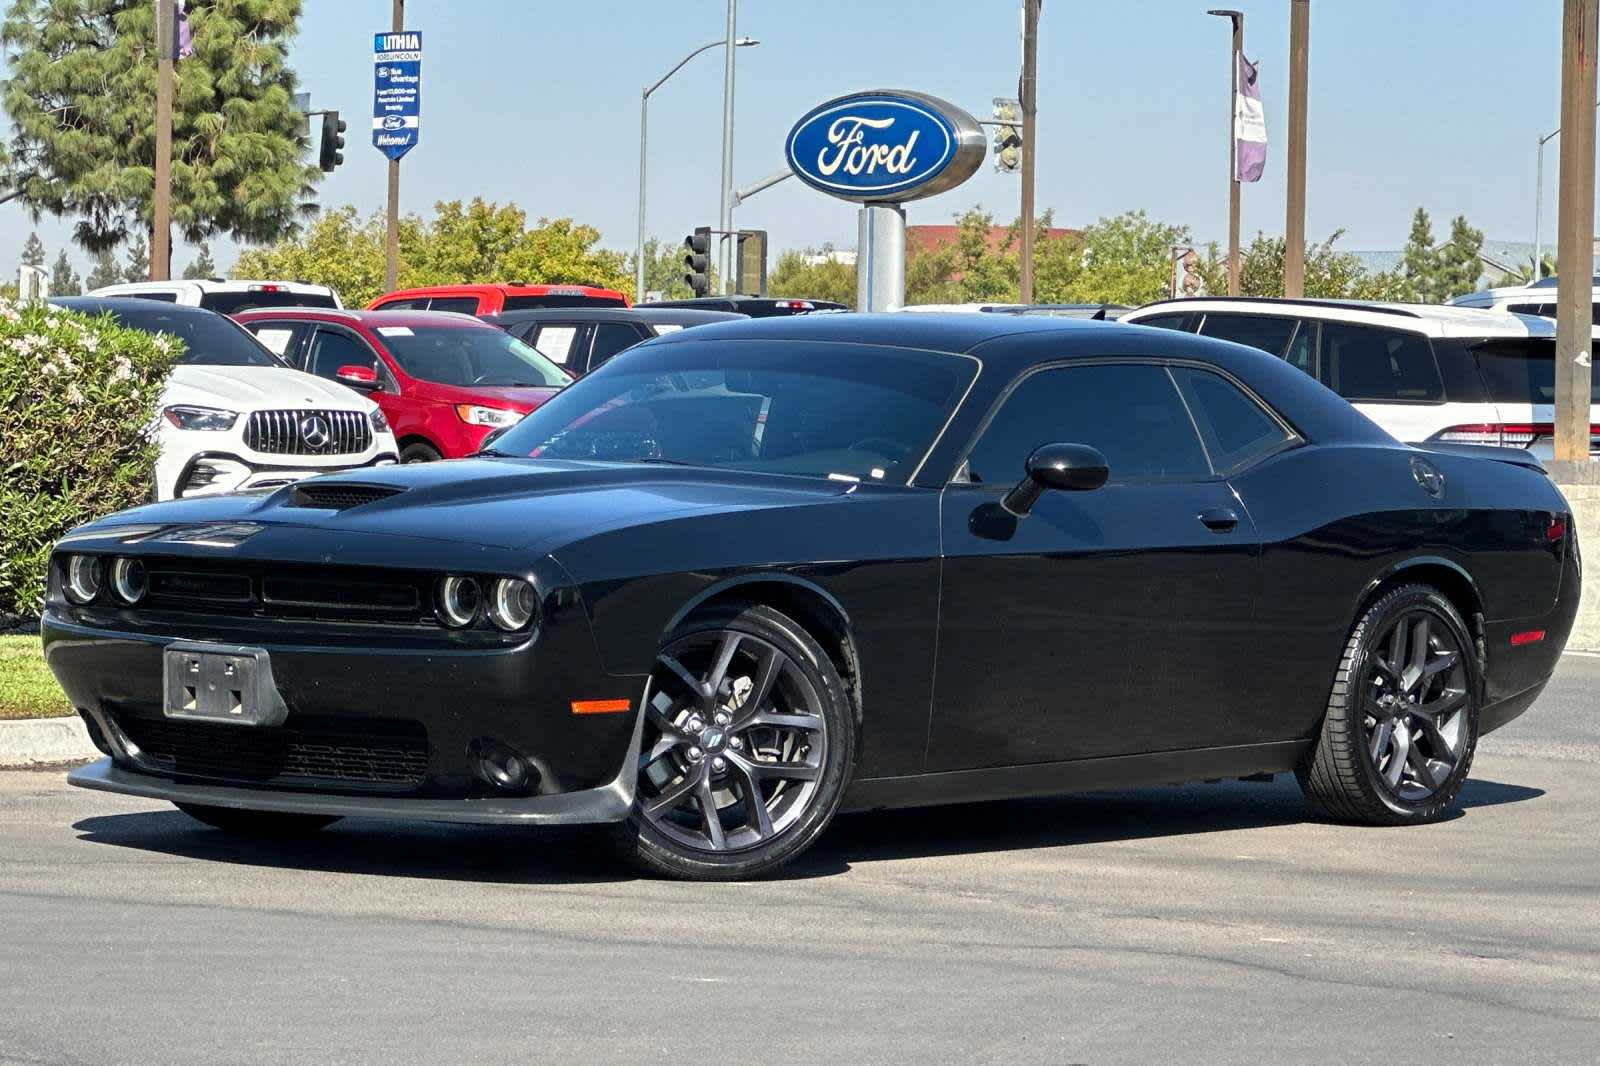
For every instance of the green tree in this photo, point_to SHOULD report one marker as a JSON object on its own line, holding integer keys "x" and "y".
{"x": 663, "y": 269}
{"x": 202, "y": 266}
{"x": 1459, "y": 262}
{"x": 1126, "y": 259}
{"x": 81, "y": 94}
{"x": 1329, "y": 273}
{"x": 813, "y": 275}
{"x": 64, "y": 281}
{"x": 33, "y": 253}
{"x": 1420, "y": 264}
{"x": 138, "y": 268}
{"x": 105, "y": 272}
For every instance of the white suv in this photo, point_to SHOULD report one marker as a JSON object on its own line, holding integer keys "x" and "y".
{"x": 1536, "y": 299}
{"x": 1422, "y": 372}
{"x": 226, "y": 297}
{"x": 234, "y": 417}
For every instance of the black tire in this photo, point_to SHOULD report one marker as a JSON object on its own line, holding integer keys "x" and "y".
{"x": 418, "y": 452}
{"x": 1341, "y": 779}
{"x": 257, "y": 823}
{"x": 642, "y": 842}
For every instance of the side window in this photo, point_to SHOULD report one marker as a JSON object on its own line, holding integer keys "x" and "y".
{"x": 1183, "y": 322}
{"x": 559, "y": 342}
{"x": 1302, "y": 353}
{"x": 1235, "y": 429}
{"x": 1542, "y": 310}
{"x": 410, "y": 303}
{"x": 1267, "y": 332}
{"x": 1131, "y": 412}
{"x": 609, "y": 339}
{"x": 158, "y": 297}
{"x": 1379, "y": 365}
{"x": 330, "y": 350}
{"x": 467, "y": 305}
{"x": 281, "y": 338}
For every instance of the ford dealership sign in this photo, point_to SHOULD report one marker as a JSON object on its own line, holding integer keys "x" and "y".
{"x": 885, "y": 146}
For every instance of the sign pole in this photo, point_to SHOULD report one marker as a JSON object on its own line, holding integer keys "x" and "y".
{"x": 1575, "y": 233}
{"x": 881, "y": 261}
{"x": 1028, "y": 91}
{"x": 1233, "y": 155}
{"x": 725, "y": 250}
{"x": 391, "y": 236}
{"x": 166, "y": 53}
{"x": 1294, "y": 230}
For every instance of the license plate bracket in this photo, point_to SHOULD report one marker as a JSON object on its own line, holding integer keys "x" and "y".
{"x": 225, "y": 683}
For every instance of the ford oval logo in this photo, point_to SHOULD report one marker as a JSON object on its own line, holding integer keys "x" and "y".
{"x": 393, "y": 122}
{"x": 885, "y": 146}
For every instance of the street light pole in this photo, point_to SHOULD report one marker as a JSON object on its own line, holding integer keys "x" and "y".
{"x": 1538, "y": 205}
{"x": 391, "y": 233}
{"x": 725, "y": 258}
{"x": 1294, "y": 230}
{"x": 1575, "y": 233}
{"x": 166, "y": 54}
{"x": 1028, "y": 94}
{"x": 1237, "y": 46}
{"x": 644, "y": 118}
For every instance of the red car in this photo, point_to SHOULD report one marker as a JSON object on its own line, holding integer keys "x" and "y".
{"x": 443, "y": 381}
{"x": 492, "y": 299}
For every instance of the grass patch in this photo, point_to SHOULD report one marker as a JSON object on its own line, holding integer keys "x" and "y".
{"x": 27, "y": 688}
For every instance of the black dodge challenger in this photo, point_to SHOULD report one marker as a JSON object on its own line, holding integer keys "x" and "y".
{"x": 749, "y": 575}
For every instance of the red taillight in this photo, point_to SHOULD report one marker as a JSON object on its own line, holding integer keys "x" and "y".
{"x": 266, "y": 288}
{"x": 797, "y": 305}
{"x": 1530, "y": 636}
{"x": 1555, "y": 530}
{"x": 1506, "y": 434}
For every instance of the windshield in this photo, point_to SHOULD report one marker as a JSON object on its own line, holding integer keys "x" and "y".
{"x": 1522, "y": 371}
{"x": 467, "y": 356}
{"x": 208, "y": 340}
{"x": 855, "y": 412}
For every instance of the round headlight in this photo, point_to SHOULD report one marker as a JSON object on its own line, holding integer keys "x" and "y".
{"x": 512, "y": 603}
{"x": 129, "y": 580}
{"x": 459, "y": 599}
{"x": 84, "y": 574}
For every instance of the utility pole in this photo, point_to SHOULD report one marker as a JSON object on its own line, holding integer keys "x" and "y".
{"x": 1237, "y": 48}
{"x": 1028, "y": 95}
{"x": 391, "y": 236}
{"x": 1575, "y": 236}
{"x": 1294, "y": 230}
{"x": 166, "y": 55}
{"x": 725, "y": 252}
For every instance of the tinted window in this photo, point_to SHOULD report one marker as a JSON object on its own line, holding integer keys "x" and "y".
{"x": 1542, "y": 310}
{"x": 330, "y": 350}
{"x": 468, "y": 356}
{"x": 412, "y": 303}
{"x": 1302, "y": 353}
{"x": 1181, "y": 322}
{"x": 786, "y": 407}
{"x": 611, "y": 338}
{"x": 466, "y": 305}
{"x": 1235, "y": 429}
{"x": 1523, "y": 371}
{"x": 158, "y": 297}
{"x": 1133, "y": 414}
{"x": 1366, "y": 363}
{"x": 208, "y": 339}
{"x": 1267, "y": 332}
{"x": 523, "y": 303}
{"x": 226, "y": 303}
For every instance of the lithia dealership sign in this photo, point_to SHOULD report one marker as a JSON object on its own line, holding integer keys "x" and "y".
{"x": 881, "y": 149}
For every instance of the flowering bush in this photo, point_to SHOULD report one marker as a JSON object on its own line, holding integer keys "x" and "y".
{"x": 77, "y": 401}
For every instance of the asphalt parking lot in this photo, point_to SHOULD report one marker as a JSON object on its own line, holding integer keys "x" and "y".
{"x": 1209, "y": 923}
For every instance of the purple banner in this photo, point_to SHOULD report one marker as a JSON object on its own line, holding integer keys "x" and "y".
{"x": 1249, "y": 124}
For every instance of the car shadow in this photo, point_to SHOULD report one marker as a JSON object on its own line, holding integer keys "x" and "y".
{"x": 512, "y": 855}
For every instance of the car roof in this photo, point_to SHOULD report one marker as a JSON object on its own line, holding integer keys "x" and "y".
{"x": 210, "y": 285}
{"x": 1434, "y": 320}
{"x": 575, "y": 313}
{"x": 686, "y": 316}
{"x": 126, "y": 306}
{"x": 509, "y": 288}
{"x": 737, "y": 299}
{"x": 370, "y": 319}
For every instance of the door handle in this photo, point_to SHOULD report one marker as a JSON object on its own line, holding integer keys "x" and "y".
{"x": 1220, "y": 519}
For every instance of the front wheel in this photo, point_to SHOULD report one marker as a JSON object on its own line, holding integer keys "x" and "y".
{"x": 256, "y": 823}
{"x": 748, "y": 743}
{"x": 420, "y": 453}
{"x": 1402, "y": 721}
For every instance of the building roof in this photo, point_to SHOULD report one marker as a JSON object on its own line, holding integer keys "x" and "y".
{"x": 929, "y": 238}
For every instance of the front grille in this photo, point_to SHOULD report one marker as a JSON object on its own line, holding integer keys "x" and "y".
{"x": 244, "y": 589}
{"x": 376, "y": 754}
{"x": 308, "y": 432}
{"x": 338, "y": 496}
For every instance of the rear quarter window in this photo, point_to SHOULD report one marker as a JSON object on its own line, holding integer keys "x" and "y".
{"x": 1377, "y": 365}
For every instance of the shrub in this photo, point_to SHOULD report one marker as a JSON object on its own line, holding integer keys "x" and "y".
{"x": 78, "y": 399}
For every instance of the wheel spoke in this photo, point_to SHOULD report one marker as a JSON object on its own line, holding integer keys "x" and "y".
{"x": 673, "y": 795}
{"x": 666, "y": 743}
{"x": 1442, "y": 748}
{"x": 810, "y": 723}
{"x": 1417, "y": 663}
{"x": 1380, "y": 739}
{"x": 688, "y": 680}
{"x": 783, "y": 771}
{"x": 757, "y": 817}
{"x": 770, "y": 666}
{"x": 708, "y": 810}
{"x": 1370, "y": 705}
{"x": 1449, "y": 701}
{"x": 1442, "y": 662}
{"x": 1419, "y": 764}
{"x": 1397, "y": 647}
{"x": 1397, "y": 761}
{"x": 719, "y": 669}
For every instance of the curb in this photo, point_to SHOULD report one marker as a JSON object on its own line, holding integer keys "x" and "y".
{"x": 45, "y": 742}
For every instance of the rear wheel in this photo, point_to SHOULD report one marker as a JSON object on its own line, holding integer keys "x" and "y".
{"x": 256, "y": 823}
{"x": 747, "y": 745}
{"x": 1402, "y": 721}
{"x": 420, "y": 453}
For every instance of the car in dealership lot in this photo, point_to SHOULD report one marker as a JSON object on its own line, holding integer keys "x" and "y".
{"x": 1537, "y": 298}
{"x": 753, "y": 306}
{"x": 1423, "y": 372}
{"x": 580, "y": 339}
{"x": 444, "y": 381}
{"x": 234, "y": 417}
{"x": 226, "y": 296}
{"x": 746, "y": 576}
{"x": 492, "y": 299}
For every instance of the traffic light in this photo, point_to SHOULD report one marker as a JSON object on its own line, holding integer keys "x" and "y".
{"x": 697, "y": 263}
{"x": 1007, "y": 138}
{"x": 750, "y": 262}
{"x": 333, "y": 128}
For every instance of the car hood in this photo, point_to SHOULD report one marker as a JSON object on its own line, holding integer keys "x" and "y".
{"x": 249, "y": 388}
{"x": 518, "y": 398}
{"x": 501, "y": 503}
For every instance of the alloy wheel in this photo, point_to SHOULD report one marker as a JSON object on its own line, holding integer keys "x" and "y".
{"x": 734, "y": 742}
{"x": 1415, "y": 701}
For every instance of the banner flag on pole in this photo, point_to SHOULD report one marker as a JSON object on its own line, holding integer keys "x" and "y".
{"x": 1249, "y": 124}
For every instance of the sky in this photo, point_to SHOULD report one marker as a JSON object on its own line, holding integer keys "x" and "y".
{"x": 1436, "y": 103}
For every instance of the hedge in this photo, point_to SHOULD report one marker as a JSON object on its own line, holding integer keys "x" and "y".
{"x": 78, "y": 399}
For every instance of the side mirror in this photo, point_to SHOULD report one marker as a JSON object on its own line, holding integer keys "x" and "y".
{"x": 357, "y": 377}
{"x": 1068, "y": 467}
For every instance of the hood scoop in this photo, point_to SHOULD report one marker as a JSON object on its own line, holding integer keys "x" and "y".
{"x": 338, "y": 495}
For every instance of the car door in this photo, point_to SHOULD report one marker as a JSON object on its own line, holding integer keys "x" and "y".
{"x": 1105, "y": 622}
{"x": 331, "y": 347}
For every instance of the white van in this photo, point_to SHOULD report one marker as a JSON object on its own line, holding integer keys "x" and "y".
{"x": 1536, "y": 299}
{"x": 226, "y": 297}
